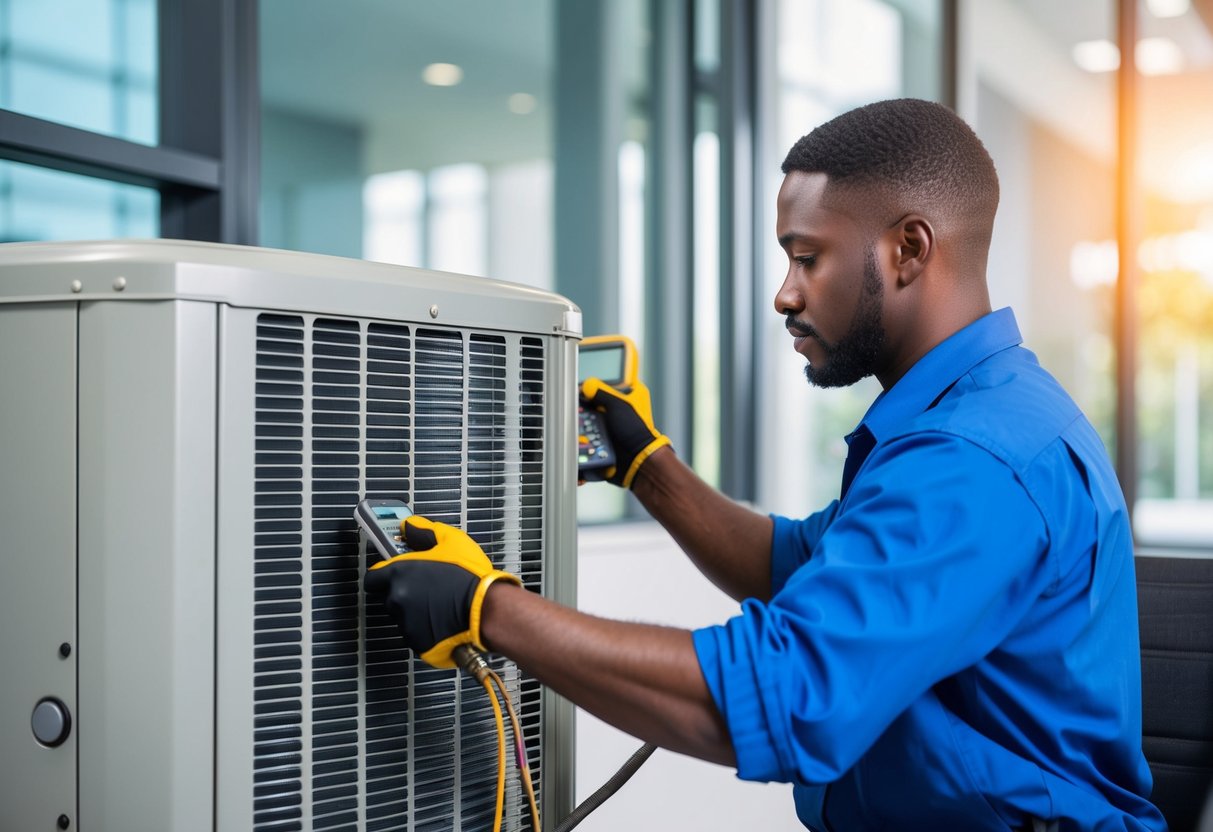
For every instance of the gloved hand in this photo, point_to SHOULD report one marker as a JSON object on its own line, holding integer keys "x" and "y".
{"x": 435, "y": 592}
{"x": 629, "y": 423}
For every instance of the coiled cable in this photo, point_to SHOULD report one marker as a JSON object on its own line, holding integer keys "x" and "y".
{"x": 608, "y": 788}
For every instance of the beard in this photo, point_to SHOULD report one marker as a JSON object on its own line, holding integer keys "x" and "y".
{"x": 855, "y": 356}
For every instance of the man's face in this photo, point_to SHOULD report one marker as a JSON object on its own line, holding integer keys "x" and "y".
{"x": 833, "y": 293}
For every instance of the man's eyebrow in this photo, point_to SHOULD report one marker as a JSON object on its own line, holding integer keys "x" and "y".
{"x": 786, "y": 239}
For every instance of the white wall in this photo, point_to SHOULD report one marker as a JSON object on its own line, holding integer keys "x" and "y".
{"x": 635, "y": 572}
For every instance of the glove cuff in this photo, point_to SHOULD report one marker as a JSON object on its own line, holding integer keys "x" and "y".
{"x": 440, "y": 654}
{"x": 482, "y": 590}
{"x": 657, "y": 444}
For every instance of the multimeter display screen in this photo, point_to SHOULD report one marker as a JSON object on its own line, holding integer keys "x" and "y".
{"x": 391, "y": 511}
{"x": 605, "y": 363}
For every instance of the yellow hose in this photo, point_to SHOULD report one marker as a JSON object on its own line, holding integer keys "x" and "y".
{"x": 500, "y": 754}
{"x": 475, "y": 665}
{"x": 524, "y": 766}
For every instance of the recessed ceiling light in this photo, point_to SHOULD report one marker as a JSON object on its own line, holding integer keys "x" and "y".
{"x": 1096, "y": 55}
{"x": 1153, "y": 56}
{"x": 442, "y": 75}
{"x": 522, "y": 103}
{"x": 1168, "y": 8}
{"x": 1159, "y": 56}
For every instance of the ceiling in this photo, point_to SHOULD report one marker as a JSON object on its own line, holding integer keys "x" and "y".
{"x": 358, "y": 63}
{"x": 1065, "y": 24}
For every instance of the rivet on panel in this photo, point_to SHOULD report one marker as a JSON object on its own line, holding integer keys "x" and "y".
{"x": 77, "y": 286}
{"x": 434, "y": 311}
{"x": 119, "y": 284}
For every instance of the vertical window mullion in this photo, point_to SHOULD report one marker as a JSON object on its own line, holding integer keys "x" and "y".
{"x": 1128, "y": 235}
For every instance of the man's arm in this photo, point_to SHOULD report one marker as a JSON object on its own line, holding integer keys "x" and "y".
{"x": 642, "y": 679}
{"x": 728, "y": 542}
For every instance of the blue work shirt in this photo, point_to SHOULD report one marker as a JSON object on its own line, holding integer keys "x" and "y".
{"x": 953, "y": 644}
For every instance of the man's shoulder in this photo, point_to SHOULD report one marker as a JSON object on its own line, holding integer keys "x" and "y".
{"x": 1008, "y": 404}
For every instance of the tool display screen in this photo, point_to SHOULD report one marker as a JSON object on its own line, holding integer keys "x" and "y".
{"x": 391, "y": 527}
{"x": 390, "y": 512}
{"x": 605, "y": 363}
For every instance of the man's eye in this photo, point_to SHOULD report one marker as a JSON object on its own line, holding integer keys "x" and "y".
{"x": 807, "y": 260}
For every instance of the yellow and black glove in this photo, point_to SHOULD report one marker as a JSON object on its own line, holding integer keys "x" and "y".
{"x": 435, "y": 592}
{"x": 629, "y": 424}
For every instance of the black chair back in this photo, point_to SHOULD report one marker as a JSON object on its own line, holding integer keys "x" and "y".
{"x": 1175, "y": 609}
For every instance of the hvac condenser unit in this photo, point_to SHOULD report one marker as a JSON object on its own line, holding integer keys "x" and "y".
{"x": 185, "y": 430}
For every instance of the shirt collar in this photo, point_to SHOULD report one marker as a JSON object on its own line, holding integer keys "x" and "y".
{"x": 939, "y": 369}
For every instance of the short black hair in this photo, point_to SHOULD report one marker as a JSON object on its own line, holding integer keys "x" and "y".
{"x": 923, "y": 151}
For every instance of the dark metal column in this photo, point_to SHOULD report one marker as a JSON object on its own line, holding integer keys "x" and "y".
{"x": 738, "y": 268}
{"x": 669, "y": 261}
{"x": 589, "y": 106}
{"x": 210, "y": 106}
{"x": 241, "y": 113}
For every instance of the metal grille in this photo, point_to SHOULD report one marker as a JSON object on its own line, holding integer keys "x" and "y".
{"x": 278, "y": 576}
{"x": 351, "y": 732}
{"x": 530, "y": 567}
{"x": 335, "y": 473}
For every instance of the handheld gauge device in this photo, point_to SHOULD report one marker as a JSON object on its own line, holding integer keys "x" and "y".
{"x": 381, "y": 520}
{"x": 612, "y": 358}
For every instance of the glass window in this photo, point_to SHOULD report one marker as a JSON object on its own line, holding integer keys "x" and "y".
{"x": 1047, "y": 115}
{"x": 830, "y": 56}
{"x": 396, "y": 132}
{"x": 458, "y": 209}
{"x": 41, "y": 204}
{"x": 1174, "y": 59}
{"x": 85, "y": 63}
{"x": 395, "y": 210}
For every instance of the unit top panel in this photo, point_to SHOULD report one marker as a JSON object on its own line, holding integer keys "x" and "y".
{"x": 258, "y": 278}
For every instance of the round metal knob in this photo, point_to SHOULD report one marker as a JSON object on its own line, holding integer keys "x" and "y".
{"x": 51, "y": 722}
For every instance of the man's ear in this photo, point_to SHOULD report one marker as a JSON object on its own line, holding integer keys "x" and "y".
{"x": 914, "y": 243}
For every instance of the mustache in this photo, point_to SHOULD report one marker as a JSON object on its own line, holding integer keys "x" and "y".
{"x": 807, "y": 330}
{"x": 801, "y": 328}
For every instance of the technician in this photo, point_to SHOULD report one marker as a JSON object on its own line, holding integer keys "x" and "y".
{"x": 952, "y": 644}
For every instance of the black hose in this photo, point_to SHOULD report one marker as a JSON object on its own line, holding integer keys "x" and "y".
{"x": 608, "y": 788}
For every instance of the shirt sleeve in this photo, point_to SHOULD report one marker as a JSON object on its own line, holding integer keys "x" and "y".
{"x": 793, "y": 541}
{"x": 934, "y": 558}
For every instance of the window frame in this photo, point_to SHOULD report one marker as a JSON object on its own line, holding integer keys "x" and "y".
{"x": 206, "y": 165}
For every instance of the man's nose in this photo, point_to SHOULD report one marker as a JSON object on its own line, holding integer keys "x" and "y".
{"x": 787, "y": 299}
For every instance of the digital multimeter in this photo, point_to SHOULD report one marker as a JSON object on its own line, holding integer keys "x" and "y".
{"x": 380, "y": 520}
{"x": 613, "y": 359}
